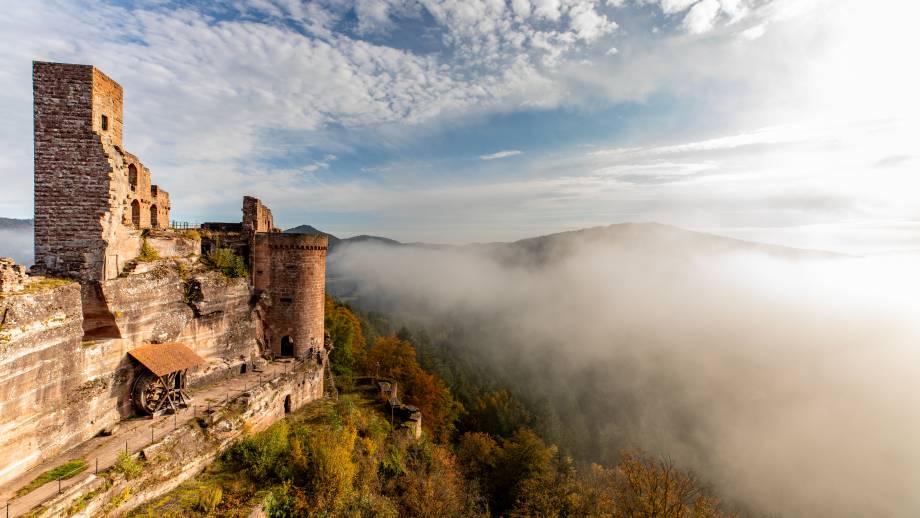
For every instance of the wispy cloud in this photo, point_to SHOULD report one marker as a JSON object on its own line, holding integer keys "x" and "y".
{"x": 501, "y": 154}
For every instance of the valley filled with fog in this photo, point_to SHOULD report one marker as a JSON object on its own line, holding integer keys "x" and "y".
{"x": 16, "y": 243}
{"x": 788, "y": 379}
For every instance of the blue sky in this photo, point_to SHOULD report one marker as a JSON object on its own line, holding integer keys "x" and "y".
{"x": 786, "y": 121}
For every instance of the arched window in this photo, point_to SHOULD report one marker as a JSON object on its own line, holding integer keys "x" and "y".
{"x": 153, "y": 217}
{"x": 287, "y": 346}
{"x": 132, "y": 176}
{"x": 136, "y": 214}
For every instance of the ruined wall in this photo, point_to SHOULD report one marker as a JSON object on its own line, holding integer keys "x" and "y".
{"x": 12, "y": 276}
{"x": 256, "y": 216}
{"x": 90, "y": 195}
{"x": 290, "y": 269}
{"x": 72, "y": 172}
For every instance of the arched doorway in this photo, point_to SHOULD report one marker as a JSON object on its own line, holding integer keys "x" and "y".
{"x": 153, "y": 217}
{"x": 136, "y": 214}
{"x": 287, "y": 346}
{"x": 132, "y": 176}
{"x": 287, "y": 404}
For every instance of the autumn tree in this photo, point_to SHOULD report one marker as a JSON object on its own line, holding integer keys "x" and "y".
{"x": 391, "y": 357}
{"x": 347, "y": 338}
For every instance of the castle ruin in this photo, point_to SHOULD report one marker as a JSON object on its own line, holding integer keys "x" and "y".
{"x": 113, "y": 284}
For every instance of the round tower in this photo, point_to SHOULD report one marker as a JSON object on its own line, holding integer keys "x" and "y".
{"x": 291, "y": 270}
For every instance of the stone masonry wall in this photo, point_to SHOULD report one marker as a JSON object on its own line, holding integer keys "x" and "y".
{"x": 256, "y": 216}
{"x": 72, "y": 173}
{"x": 290, "y": 269}
{"x": 12, "y": 276}
{"x": 90, "y": 195}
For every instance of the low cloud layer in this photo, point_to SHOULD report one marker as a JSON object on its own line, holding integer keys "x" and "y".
{"x": 789, "y": 383}
{"x": 17, "y": 244}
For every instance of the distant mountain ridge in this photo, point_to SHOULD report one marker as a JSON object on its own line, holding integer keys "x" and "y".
{"x": 16, "y": 224}
{"x": 538, "y": 250}
{"x": 335, "y": 241}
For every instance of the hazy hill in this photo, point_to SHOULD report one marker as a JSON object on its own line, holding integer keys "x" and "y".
{"x": 335, "y": 241}
{"x": 637, "y": 237}
{"x": 15, "y": 224}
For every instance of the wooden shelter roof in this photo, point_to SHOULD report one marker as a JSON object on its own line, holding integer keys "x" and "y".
{"x": 163, "y": 359}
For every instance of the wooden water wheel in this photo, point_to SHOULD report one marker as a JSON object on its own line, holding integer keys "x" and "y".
{"x": 150, "y": 393}
{"x": 161, "y": 386}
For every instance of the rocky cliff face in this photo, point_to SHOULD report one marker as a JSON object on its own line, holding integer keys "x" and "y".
{"x": 40, "y": 375}
{"x": 59, "y": 387}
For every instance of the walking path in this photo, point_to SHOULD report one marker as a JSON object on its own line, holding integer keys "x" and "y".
{"x": 132, "y": 435}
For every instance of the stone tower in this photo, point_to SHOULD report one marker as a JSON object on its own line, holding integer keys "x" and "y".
{"x": 91, "y": 197}
{"x": 291, "y": 270}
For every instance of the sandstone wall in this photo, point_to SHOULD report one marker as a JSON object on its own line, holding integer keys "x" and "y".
{"x": 90, "y": 194}
{"x": 56, "y": 390}
{"x": 72, "y": 173}
{"x": 256, "y": 216}
{"x": 40, "y": 375}
{"x": 185, "y": 452}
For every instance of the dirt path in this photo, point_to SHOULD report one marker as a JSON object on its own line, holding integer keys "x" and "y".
{"x": 132, "y": 435}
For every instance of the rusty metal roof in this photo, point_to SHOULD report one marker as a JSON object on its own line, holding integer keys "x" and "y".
{"x": 162, "y": 359}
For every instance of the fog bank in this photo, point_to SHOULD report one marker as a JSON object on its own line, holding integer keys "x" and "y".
{"x": 17, "y": 243}
{"x": 793, "y": 385}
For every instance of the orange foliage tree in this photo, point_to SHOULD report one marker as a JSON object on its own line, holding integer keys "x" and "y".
{"x": 391, "y": 357}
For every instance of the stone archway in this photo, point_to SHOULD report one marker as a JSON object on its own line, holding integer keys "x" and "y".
{"x": 287, "y": 346}
{"x": 136, "y": 214}
{"x": 153, "y": 217}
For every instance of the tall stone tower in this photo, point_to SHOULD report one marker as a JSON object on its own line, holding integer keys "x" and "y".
{"x": 291, "y": 270}
{"x": 91, "y": 197}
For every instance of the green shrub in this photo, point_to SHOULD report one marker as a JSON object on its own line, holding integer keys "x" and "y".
{"x": 264, "y": 455}
{"x": 148, "y": 253}
{"x": 281, "y": 503}
{"x": 209, "y": 498}
{"x": 191, "y": 234}
{"x": 226, "y": 262}
{"x": 62, "y": 472}
{"x": 127, "y": 465}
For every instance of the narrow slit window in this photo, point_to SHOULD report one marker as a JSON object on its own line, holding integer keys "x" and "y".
{"x": 105, "y": 123}
{"x": 287, "y": 300}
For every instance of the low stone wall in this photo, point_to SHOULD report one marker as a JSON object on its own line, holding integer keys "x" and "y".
{"x": 186, "y": 451}
{"x": 168, "y": 243}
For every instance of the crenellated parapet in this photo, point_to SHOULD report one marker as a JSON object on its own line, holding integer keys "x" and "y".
{"x": 291, "y": 270}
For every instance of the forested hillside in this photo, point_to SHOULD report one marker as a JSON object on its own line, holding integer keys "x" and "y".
{"x": 476, "y": 458}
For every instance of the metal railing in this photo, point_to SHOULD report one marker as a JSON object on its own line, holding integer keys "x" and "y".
{"x": 184, "y": 225}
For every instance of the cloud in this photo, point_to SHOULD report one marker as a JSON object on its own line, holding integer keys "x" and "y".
{"x": 754, "y": 32}
{"x": 501, "y": 154}
{"x": 748, "y": 384}
{"x": 676, "y": 6}
{"x": 702, "y": 16}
